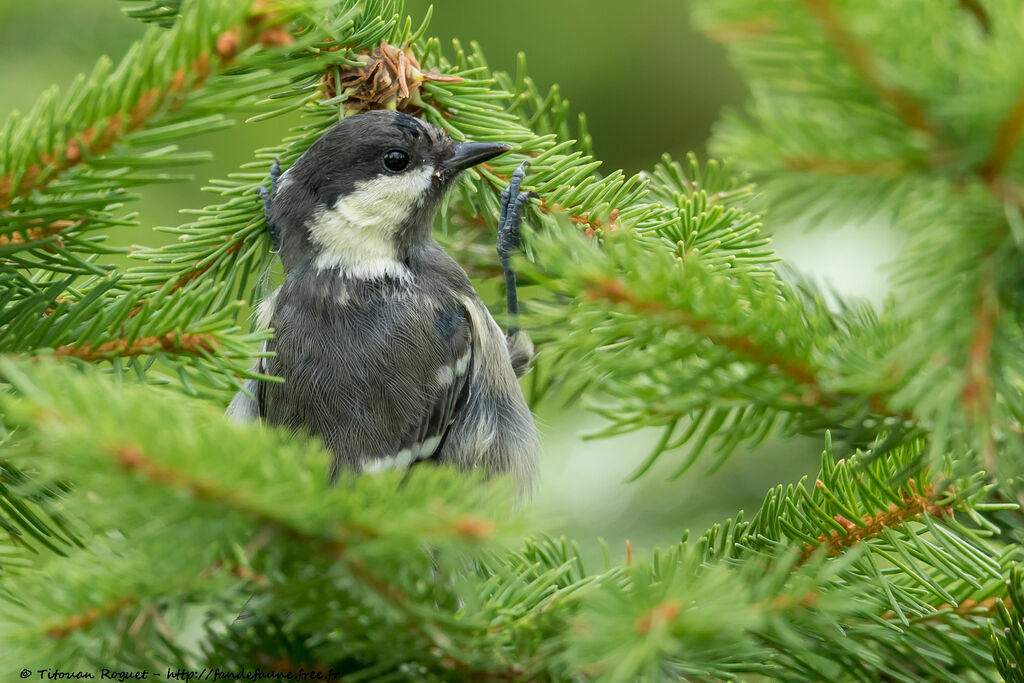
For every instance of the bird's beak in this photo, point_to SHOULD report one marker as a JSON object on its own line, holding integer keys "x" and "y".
{"x": 469, "y": 154}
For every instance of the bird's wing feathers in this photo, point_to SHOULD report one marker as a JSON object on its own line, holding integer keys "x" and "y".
{"x": 380, "y": 379}
{"x": 447, "y": 393}
{"x": 245, "y": 404}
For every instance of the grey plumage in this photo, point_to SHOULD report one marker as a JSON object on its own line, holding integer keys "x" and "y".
{"x": 388, "y": 354}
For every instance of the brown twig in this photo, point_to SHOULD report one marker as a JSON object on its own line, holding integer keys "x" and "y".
{"x": 976, "y": 395}
{"x": 986, "y": 607}
{"x": 742, "y": 344}
{"x": 887, "y": 168}
{"x": 112, "y": 608}
{"x": 915, "y": 505}
{"x": 659, "y": 617}
{"x": 132, "y": 459}
{"x": 171, "y": 342}
{"x": 198, "y": 270}
{"x": 37, "y": 233}
{"x": 87, "y": 619}
{"x": 1006, "y": 143}
{"x": 906, "y": 106}
{"x": 591, "y": 224}
{"x": 974, "y": 8}
{"x": 613, "y": 291}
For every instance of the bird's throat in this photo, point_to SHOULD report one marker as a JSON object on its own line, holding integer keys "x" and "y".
{"x": 362, "y": 234}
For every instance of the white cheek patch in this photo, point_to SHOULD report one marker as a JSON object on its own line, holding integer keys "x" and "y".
{"x": 357, "y": 234}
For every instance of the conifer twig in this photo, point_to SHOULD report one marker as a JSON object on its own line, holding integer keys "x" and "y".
{"x": 906, "y": 106}
{"x": 976, "y": 394}
{"x": 192, "y": 344}
{"x": 87, "y": 619}
{"x": 744, "y": 345}
{"x": 37, "y": 233}
{"x": 886, "y": 168}
{"x": 101, "y": 138}
{"x": 543, "y": 206}
{"x": 1008, "y": 139}
{"x": 987, "y": 607}
{"x": 131, "y": 458}
{"x": 916, "y": 505}
{"x": 613, "y": 291}
{"x": 977, "y": 10}
{"x": 197, "y": 272}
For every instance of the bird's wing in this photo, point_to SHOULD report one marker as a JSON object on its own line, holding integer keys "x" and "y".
{"x": 244, "y": 406}
{"x": 447, "y": 392}
{"x": 248, "y": 404}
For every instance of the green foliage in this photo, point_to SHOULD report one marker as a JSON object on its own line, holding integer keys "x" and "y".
{"x": 277, "y": 544}
{"x": 162, "y": 12}
{"x": 285, "y": 531}
{"x": 855, "y": 117}
{"x": 141, "y": 524}
{"x": 1008, "y": 632}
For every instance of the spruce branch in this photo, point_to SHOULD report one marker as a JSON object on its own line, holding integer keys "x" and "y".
{"x": 1007, "y": 630}
{"x": 68, "y": 165}
{"x": 123, "y": 451}
{"x": 28, "y": 516}
{"x": 677, "y": 333}
{"x": 869, "y": 168}
{"x": 131, "y": 327}
{"x": 750, "y": 576}
{"x": 132, "y": 459}
{"x": 1006, "y": 143}
{"x": 614, "y": 292}
{"x": 88, "y": 619}
{"x": 953, "y": 188}
{"x": 977, "y": 391}
{"x": 169, "y": 343}
{"x": 977, "y": 10}
{"x": 200, "y": 267}
{"x": 908, "y": 109}
{"x": 34, "y": 170}
{"x": 752, "y": 599}
{"x": 915, "y": 504}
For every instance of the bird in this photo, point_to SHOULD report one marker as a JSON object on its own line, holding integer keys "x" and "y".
{"x": 387, "y": 353}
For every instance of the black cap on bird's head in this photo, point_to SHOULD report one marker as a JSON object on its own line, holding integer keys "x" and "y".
{"x": 379, "y": 172}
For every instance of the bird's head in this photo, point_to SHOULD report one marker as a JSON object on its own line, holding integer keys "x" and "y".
{"x": 366, "y": 192}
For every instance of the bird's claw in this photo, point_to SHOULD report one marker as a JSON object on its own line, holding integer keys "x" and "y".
{"x": 512, "y": 202}
{"x": 509, "y": 237}
{"x": 268, "y": 197}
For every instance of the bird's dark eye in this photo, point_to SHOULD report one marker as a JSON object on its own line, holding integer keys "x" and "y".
{"x": 395, "y": 160}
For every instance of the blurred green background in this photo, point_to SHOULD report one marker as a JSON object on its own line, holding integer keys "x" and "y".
{"x": 649, "y": 83}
